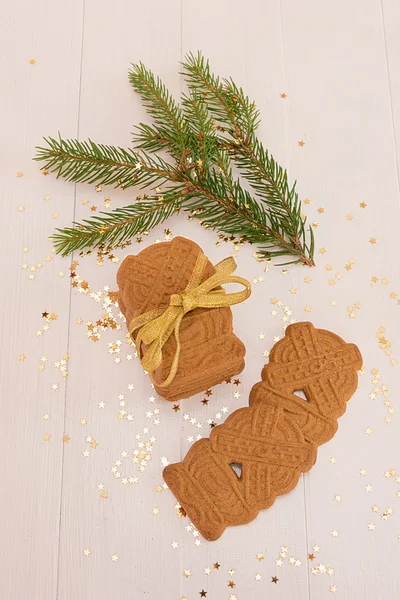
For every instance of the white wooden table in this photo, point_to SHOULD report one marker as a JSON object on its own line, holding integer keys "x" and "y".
{"x": 71, "y": 527}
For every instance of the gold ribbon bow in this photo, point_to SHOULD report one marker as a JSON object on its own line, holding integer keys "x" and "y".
{"x": 156, "y": 326}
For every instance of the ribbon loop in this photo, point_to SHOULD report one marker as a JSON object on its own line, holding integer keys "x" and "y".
{"x": 156, "y": 326}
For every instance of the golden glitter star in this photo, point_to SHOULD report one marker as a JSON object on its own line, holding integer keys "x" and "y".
{"x": 274, "y": 579}
{"x": 321, "y": 210}
{"x": 322, "y": 251}
{"x": 362, "y": 205}
{"x": 46, "y": 437}
{"x": 371, "y": 527}
{"x": 307, "y": 308}
{"x": 86, "y": 552}
{"x": 114, "y": 558}
{"x": 231, "y": 584}
{"x": 349, "y": 217}
{"x": 372, "y": 241}
{"x": 66, "y": 438}
{"x": 21, "y": 357}
{"x": 216, "y": 565}
{"x": 104, "y": 495}
{"x": 203, "y": 594}
{"x": 32, "y": 61}
{"x": 283, "y": 95}
{"x": 260, "y": 557}
{"x": 301, "y": 143}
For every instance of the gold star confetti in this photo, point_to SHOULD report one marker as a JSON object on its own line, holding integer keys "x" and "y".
{"x": 66, "y": 438}
{"x": 283, "y": 95}
{"x": 372, "y": 240}
{"x": 260, "y": 557}
{"x": 362, "y": 205}
{"x": 86, "y": 552}
{"x": 46, "y": 437}
{"x": 301, "y": 143}
{"x": 114, "y": 558}
{"x": 274, "y": 579}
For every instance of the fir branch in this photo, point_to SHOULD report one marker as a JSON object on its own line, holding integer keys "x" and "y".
{"x": 107, "y": 230}
{"x": 240, "y": 118}
{"x": 214, "y": 127}
{"x": 161, "y": 106}
{"x": 88, "y": 162}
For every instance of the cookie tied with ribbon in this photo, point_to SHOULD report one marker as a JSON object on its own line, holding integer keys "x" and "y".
{"x": 179, "y": 316}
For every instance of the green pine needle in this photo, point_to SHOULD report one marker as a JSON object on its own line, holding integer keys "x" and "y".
{"x": 209, "y": 133}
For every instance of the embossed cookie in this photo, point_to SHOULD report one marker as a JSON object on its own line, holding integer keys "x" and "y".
{"x": 275, "y": 439}
{"x": 318, "y": 363}
{"x": 272, "y": 453}
{"x": 209, "y": 350}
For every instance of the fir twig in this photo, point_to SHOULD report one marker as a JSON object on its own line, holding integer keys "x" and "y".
{"x": 213, "y": 127}
{"x": 116, "y": 227}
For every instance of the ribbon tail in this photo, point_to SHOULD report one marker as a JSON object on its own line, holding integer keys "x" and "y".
{"x": 175, "y": 361}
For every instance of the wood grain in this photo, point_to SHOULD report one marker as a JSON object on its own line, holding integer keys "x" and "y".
{"x": 338, "y": 66}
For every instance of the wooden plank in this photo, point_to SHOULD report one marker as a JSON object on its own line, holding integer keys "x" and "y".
{"x": 247, "y": 45}
{"x": 121, "y": 525}
{"x": 339, "y": 105}
{"x": 40, "y": 93}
